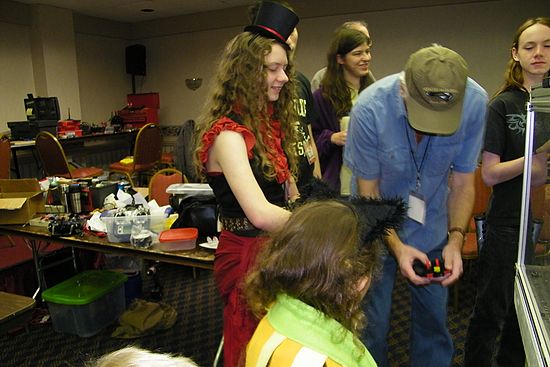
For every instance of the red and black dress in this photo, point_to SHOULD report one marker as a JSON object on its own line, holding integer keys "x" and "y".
{"x": 239, "y": 239}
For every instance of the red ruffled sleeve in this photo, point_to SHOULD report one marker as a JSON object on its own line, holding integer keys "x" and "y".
{"x": 223, "y": 124}
{"x": 271, "y": 134}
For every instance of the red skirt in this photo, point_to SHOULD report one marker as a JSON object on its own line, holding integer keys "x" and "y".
{"x": 234, "y": 257}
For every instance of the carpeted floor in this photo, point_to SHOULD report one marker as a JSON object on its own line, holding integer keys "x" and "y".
{"x": 458, "y": 319}
{"x": 197, "y": 331}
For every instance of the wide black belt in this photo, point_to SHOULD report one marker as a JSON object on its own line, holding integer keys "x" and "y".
{"x": 241, "y": 226}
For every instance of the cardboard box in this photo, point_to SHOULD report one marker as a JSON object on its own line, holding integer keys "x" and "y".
{"x": 20, "y": 200}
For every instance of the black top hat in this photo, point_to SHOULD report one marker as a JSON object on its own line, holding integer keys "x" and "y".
{"x": 274, "y": 21}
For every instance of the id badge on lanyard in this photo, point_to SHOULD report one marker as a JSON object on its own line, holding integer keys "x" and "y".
{"x": 417, "y": 204}
{"x": 417, "y": 207}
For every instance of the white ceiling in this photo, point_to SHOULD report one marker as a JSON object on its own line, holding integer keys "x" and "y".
{"x": 130, "y": 10}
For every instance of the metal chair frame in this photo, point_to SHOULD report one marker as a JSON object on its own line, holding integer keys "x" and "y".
{"x": 59, "y": 165}
{"x": 54, "y": 161}
{"x": 146, "y": 156}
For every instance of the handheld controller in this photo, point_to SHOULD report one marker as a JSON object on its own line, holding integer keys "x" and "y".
{"x": 435, "y": 268}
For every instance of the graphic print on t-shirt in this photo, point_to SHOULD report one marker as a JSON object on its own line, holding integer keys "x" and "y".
{"x": 516, "y": 123}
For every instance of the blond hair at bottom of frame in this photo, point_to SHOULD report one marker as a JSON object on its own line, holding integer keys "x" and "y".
{"x": 132, "y": 356}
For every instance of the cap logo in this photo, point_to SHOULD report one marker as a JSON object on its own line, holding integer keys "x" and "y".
{"x": 440, "y": 97}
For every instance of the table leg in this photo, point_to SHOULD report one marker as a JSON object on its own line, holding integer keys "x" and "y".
{"x": 33, "y": 245}
{"x": 16, "y": 164}
{"x": 39, "y": 267}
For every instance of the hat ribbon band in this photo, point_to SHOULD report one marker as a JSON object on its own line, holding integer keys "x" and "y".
{"x": 272, "y": 31}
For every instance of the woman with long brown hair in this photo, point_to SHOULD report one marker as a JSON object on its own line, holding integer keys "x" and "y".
{"x": 348, "y": 61}
{"x": 310, "y": 278}
{"x": 246, "y": 153}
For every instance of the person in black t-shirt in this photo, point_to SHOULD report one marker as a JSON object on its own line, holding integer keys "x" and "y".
{"x": 494, "y": 314}
{"x": 308, "y": 158}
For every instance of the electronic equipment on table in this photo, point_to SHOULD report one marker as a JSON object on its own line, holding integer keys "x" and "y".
{"x": 140, "y": 110}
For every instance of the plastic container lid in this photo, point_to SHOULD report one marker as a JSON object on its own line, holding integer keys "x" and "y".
{"x": 179, "y": 234}
{"x": 84, "y": 288}
{"x": 190, "y": 189}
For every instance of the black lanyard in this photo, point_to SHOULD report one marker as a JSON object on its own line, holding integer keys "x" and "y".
{"x": 416, "y": 166}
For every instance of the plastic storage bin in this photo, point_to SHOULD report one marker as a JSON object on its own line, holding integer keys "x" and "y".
{"x": 119, "y": 229}
{"x": 178, "y": 239}
{"x": 86, "y": 303}
{"x": 190, "y": 189}
{"x": 180, "y": 191}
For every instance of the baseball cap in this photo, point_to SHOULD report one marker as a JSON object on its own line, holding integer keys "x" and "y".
{"x": 274, "y": 21}
{"x": 436, "y": 81}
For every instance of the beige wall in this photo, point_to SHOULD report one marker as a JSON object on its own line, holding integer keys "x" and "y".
{"x": 54, "y": 57}
{"x": 170, "y": 60}
{"x": 102, "y": 77}
{"x": 16, "y": 79}
{"x": 480, "y": 31}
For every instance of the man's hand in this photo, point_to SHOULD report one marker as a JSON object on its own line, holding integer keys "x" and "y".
{"x": 452, "y": 255}
{"x": 405, "y": 257}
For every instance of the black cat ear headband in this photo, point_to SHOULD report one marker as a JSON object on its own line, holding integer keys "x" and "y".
{"x": 376, "y": 216}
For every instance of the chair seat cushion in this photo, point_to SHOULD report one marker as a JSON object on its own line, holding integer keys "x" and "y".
{"x": 469, "y": 250}
{"x": 121, "y": 167}
{"x": 541, "y": 249}
{"x": 86, "y": 172}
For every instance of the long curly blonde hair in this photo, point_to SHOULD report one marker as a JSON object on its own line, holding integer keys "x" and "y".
{"x": 240, "y": 88}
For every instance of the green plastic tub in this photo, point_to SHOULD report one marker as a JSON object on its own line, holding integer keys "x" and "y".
{"x": 86, "y": 303}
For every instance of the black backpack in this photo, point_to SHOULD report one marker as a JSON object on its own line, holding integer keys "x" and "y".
{"x": 199, "y": 211}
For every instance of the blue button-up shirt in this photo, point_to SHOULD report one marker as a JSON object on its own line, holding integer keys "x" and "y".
{"x": 380, "y": 146}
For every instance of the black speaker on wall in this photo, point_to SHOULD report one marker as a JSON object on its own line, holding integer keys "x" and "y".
{"x": 135, "y": 60}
